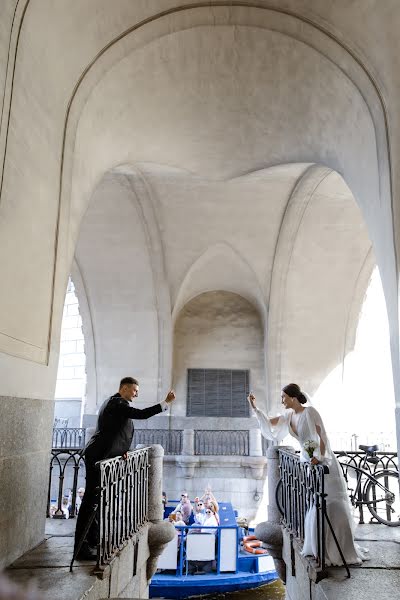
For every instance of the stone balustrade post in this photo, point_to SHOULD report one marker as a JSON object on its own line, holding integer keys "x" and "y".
{"x": 160, "y": 532}
{"x": 255, "y": 442}
{"x": 188, "y": 442}
{"x": 270, "y": 531}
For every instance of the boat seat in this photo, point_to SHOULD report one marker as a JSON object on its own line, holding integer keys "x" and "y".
{"x": 200, "y": 547}
{"x": 168, "y": 558}
{"x": 369, "y": 449}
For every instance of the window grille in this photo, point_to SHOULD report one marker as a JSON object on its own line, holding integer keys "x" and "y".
{"x": 217, "y": 393}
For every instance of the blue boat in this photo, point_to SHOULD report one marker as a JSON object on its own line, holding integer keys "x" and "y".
{"x": 232, "y": 567}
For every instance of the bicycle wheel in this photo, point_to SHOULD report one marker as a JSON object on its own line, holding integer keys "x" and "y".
{"x": 279, "y": 496}
{"x": 383, "y": 498}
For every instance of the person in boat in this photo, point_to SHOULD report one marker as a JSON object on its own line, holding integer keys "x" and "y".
{"x": 213, "y": 505}
{"x": 210, "y": 521}
{"x": 199, "y": 513}
{"x": 184, "y": 507}
{"x": 177, "y": 519}
{"x": 208, "y": 497}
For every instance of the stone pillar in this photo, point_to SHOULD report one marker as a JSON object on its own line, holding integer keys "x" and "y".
{"x": 188, "y": 461}
{"x": 188, "y": 442}
{"x": 255, "y": 442}
{"x": 270, "y": 532}
{"x": 160, "y": 532}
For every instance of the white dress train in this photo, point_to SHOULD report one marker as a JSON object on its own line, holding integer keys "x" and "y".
{"x": 337, "y": 501}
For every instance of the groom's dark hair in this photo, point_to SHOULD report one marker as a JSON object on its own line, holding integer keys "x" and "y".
{"x": 293, "y": 391}
{"x": 128, "y": 381}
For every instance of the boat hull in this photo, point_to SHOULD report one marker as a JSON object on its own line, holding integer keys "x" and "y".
{"x": 170, "y": 586}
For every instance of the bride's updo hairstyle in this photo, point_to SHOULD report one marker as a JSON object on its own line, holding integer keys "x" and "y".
{"x": 293, "y": 391}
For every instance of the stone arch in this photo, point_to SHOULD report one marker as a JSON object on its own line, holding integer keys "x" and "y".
{"x": 322, "y": 239}
{"x": 294, "y": 25}
{"x": 220, "y": 267}
{"x": 120, "y": 263}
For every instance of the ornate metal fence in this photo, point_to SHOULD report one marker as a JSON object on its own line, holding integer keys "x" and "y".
{"x": 123, "y": 507}
{"x": 66, "y": 465}
{"x": 387, "y": 461}
{"x": 69, "y": 437}
{"x": 303, "y": 488}
{"x": 221, "y": 443}
{"x": 170, "y": 440}
{"x": 62, "y": 461}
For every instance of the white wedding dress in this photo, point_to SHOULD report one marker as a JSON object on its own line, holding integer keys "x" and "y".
{"x": 338, "y": 505}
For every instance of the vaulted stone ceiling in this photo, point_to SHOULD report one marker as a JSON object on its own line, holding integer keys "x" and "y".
{"x": 215, "y": 117}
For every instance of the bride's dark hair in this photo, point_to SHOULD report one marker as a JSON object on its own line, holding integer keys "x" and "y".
{"x": 293, "y": 390}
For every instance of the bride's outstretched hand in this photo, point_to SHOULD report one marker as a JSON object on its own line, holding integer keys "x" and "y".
{"x": 314, "y": 461}
{"x": 252, "y": 399}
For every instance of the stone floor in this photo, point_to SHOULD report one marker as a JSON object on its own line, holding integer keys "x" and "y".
{"x": 376, "y": 579}
{"x": 47, "y": 566}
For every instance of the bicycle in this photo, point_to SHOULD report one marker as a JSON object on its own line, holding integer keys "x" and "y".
{"x": 378, "y": 490}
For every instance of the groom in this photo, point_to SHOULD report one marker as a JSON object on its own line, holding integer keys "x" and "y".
{"x": 113, "y": 437}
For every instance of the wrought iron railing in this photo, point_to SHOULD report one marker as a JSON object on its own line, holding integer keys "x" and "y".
{"x": 123, "y": 506}
{"x": 63, "y": 461}
{"x": 170, "y": 440}
{"x": 221, "y": 443}
{"x": 387, "y": 460}
{"x": 302, "y": 488}
{"x": 69, "y": 437}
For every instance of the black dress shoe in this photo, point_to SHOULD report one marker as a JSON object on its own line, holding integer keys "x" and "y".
{"x": 86, "y": 553}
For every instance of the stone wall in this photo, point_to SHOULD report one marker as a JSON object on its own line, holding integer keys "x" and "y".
{"x": 218, "y": 330}
{"x": 25, "y": 434}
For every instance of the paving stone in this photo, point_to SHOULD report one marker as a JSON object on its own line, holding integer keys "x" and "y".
{"x": 56, "y": 582}
{"x": 364, "y": 583}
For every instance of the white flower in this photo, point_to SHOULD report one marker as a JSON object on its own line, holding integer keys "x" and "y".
{"x": 309, "y": 446}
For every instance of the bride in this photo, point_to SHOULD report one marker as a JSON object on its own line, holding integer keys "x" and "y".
{"x": 304, "y": 423}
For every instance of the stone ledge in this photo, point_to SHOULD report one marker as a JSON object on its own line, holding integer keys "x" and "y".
{"x": 47, "y": 567}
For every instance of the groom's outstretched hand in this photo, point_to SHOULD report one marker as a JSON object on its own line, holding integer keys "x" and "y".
{"x": 170, "y": 397}
{"x": 252, "y": 399}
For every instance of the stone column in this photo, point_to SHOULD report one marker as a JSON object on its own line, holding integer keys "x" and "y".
{"x": 255, "y": 442}
{"x": 188, "y": 442}
{"x": 270, "y": 532}
{"x": 187, "y": 461}
{"x": 160, "y": 532}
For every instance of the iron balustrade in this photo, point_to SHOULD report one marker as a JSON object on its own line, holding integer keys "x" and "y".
{"x": 63, "y": 460}
{"x": 221, "y": 443}
{"x": 301, "y": 487}
{"x": 123, "y": 502}
{"x": 69, "y": 437}
{"x": 387, "y": 460}
{"x": 170, "y": 440}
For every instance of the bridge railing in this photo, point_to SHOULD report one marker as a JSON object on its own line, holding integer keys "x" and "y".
{"x": 68, "y": 437}
{"x": 302, "y": 489}
{"x": 123, "y": 502}
{"x": 221, "y": 443}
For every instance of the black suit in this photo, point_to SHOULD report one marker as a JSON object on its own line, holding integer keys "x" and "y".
{"x": 113, "y": 437}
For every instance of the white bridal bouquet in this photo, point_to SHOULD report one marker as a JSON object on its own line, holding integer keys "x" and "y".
{"x": 309, "y": 446}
